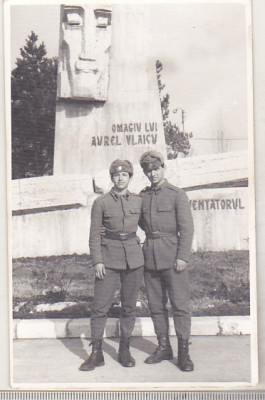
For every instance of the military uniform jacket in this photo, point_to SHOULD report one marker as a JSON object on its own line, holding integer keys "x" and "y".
{"x": 166, "y": 210}
{"x": 117, "y": 214}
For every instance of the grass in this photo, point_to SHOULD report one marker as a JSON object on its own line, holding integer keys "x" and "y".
{"x": 219, "y": 285}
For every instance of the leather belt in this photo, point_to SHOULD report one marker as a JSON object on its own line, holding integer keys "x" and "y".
{"x": 119, "y": 236}
{"x": 157, "y": 235}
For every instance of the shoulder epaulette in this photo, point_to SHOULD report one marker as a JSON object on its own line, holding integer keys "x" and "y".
{"x": 175, "y": 188}
{"x": 102, "y": 196}
{"x": 146, "y": 189}
{"x": 134, "y": 194}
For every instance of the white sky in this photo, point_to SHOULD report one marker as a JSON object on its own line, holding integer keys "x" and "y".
{"x": 203, "y": 51}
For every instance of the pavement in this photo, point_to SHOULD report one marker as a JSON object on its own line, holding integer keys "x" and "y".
{"x": 53, "y": 363}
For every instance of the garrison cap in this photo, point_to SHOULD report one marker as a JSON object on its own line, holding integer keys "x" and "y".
{"x": 151, "y": 159}
{"x": 121, "y": 166}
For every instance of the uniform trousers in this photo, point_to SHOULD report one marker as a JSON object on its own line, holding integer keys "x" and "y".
{"x": 130, "y": 281}
{"x": 166, "y": 283}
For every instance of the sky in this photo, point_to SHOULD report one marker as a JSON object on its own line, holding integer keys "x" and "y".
{"x": 203, "y": 50}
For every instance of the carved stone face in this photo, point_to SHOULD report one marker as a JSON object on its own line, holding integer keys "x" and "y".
{"x": 85, "y": 41}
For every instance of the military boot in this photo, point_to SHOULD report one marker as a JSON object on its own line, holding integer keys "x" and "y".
{"x": 96, "y": 358}
{"x": 162, "y": 352}
{"x": 184, "y": 361}
{"x": 124, "y": 356}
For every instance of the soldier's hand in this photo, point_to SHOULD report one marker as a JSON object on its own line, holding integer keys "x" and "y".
{"x": 100, "y": 270}
{"x": 180, "y": 265}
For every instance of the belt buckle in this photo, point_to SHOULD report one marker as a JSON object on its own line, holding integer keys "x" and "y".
{"x": 123, "y": 236}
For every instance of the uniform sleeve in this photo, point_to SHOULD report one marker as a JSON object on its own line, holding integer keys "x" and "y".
{"x": 184, "y": 226}
{"x": 95, "y": 232}
{"x": 141, "y": 222}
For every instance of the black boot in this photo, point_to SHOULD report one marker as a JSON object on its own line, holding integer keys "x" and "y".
{"x": 124, "y": 355}
{"x": 96, "y": 358}
{"x": 184, "y": 361}
{"x": 162, "y": 352}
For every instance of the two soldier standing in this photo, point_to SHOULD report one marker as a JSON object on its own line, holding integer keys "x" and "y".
{"x": 163, "y": 212}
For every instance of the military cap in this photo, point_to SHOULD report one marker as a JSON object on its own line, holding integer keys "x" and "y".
{"x": 121, "y": 166}
{"x": 151, "y": 159}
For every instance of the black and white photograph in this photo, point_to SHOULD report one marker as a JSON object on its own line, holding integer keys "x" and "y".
{"x": 131, "y": 220}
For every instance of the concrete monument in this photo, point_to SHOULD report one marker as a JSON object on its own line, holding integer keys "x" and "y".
{"x": 108, "y": 100}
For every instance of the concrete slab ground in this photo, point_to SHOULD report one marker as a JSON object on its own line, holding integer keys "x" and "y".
{"x": 56, "y": 361}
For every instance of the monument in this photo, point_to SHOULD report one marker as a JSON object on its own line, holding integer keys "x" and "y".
{"x": 108, "y": 100}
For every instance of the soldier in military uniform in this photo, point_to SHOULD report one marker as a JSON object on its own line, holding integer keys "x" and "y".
{"x": 117, "y": 257}
{"x": 167, "y": 221}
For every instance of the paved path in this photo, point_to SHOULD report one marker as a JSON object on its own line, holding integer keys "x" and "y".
{"x": 216, "y": 359}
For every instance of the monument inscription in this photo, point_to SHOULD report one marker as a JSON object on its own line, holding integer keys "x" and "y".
{"x": 131, "y": 139}
{"x": 217, "y": 204}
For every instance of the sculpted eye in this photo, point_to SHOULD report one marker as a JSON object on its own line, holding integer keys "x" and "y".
{"x": 102, "y": 22}
{"x": 73, "y": 19}
{"x": 103, "y": 18}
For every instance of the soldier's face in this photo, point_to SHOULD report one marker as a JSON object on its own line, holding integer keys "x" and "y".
{"x": 156, "y": 176}
{"x": 121, "y": 180}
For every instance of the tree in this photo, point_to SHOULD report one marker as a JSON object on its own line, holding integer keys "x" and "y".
{"x": 33, "y": 101}
{"x": 164, "y": 99}
{"x": 177, "y": 141}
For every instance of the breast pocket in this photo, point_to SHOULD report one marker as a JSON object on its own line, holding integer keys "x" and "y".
{"x": 112, "y": 220}
{"x": 110, "y": 214}
{"x": 133, "y": 218}
{"x": 165, "y": 208}
{"x": 135, "y": 211}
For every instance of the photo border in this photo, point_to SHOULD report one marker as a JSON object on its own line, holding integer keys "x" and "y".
{"x": 251, "y": 189}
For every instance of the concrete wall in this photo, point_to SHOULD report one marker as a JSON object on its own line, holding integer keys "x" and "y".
{"x": 220, "y": 218}
{"x": 51, "y": 233}
{"x": 51, "y": 215}
{"x": 191, "y": 171}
